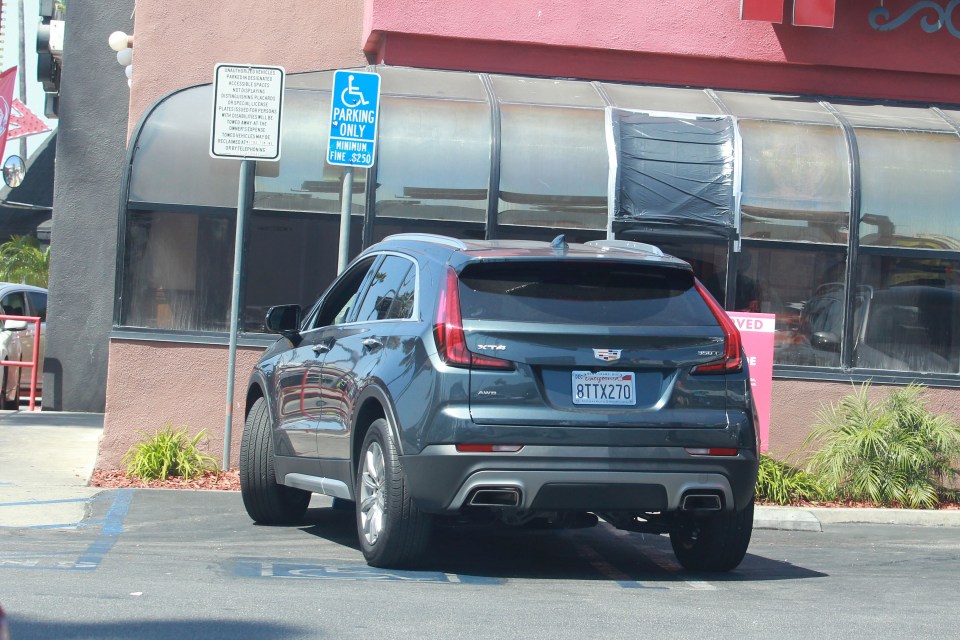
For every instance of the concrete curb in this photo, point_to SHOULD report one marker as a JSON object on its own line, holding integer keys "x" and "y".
{"x": 813, "y": 518}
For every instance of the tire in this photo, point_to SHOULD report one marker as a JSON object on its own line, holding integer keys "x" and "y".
{"x": 393, "y": 532}
{"x": 266, "y": 501}
{"x": 5, "y": 402}
{"x": 715, "y": 544}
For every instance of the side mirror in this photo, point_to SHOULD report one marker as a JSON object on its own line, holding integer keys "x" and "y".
{"x": 825, "y": 341}
{"x": 14, "y": 325}
{"x": 283, "y": 319}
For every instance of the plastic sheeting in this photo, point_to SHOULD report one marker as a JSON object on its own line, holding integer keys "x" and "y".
{"x": 674, "y": 171}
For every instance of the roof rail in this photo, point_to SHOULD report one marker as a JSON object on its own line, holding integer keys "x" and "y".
{"x": 626, "y": 245}
{"x": 428, "y": 237}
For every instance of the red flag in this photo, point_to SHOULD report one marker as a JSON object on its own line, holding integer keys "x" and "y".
{"x": 7, "y": 81}
{"x": 764, "y": 10}
{"x": 24, "y": 122}
{"x": 814, "y": 13}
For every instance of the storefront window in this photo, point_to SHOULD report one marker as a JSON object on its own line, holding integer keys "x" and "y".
{"x": 291, "y": 259}
{"x": 910, "y": 315}
{"x": 172, "y": 163}
{"x": 177, "y": 271}
{"x": 911, "y": 189}
{"x": 553, "y": 167}
{"x": 796, "y": 182}
{"x": 302, "y": 180}
{"x": 804, "y": 288}
{"x": 433, "y": 159}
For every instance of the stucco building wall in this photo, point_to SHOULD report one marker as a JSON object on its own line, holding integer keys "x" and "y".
{"x": 155, "y": 383}
{"x": 178, "y": 42}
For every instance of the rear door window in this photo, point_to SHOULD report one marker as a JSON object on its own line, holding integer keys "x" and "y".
{"x": 594, "y": 293}
{"x": 391, "y": 292}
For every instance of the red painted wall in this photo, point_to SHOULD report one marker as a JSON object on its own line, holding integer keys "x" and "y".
{"x": 679, "y": 42}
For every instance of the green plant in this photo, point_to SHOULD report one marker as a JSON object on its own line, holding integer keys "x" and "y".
{"x": 779, "y": 483}
{"x": 22, "y": 260}
{"x": 168, "y": 452}
{"x": 892, "y": 452}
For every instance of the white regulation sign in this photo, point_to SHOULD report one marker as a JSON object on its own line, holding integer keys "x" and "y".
{"x": 247, "y": 108}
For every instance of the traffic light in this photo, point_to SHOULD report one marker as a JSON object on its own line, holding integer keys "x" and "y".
{"x": 50, "y": 54}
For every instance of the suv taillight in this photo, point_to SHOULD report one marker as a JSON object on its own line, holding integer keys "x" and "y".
{"x": 731, "y": 361}
{"x": 448, "y": 332}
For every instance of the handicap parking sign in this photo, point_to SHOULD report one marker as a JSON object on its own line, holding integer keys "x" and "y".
{"x": 354, "y": 109}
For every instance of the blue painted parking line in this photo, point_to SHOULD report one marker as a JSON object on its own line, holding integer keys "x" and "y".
{"x": 260, "y": 569}
{"x": 110, "y": 529}
{"x": 30, "y": 503}
{"x": 633, "y": 584}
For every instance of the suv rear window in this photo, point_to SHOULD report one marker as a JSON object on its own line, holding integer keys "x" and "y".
{"x": 599, "y": 293}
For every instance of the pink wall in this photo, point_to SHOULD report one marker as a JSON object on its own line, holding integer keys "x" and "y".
{"x": 152, "y": 383}
{"x": 670, "y": 42}
{"x": 796, "y": 404}
{"x": 178, "y": 42}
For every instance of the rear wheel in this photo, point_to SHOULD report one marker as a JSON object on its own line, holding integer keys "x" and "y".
{"x": 5, "y": 400}
{"x": 718, "y": 543}
{"x": 393, "y": 531}
{"x": 266, "y": 501}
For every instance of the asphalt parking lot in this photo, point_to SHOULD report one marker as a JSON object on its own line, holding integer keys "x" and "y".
{"x": 170, "y": 564}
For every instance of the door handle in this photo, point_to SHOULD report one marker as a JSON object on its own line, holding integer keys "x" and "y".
{"x": 372, "y": 344}
{"x": 321, "y": 347}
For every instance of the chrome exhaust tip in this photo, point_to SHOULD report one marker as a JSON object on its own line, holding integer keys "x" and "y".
{"x": 496, "y": 497}
{"x": 701, "y": 502}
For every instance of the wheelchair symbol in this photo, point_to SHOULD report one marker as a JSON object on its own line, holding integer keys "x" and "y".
{"x": 356, "y": 98}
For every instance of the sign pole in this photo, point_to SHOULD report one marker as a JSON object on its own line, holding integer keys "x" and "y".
{"x": 247, "y": 111}
{"x": 243, "y": 208}
{"x": 346, "y": 204}
{"x": 354, "y": 113}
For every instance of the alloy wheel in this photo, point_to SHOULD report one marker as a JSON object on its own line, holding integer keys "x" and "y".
{"x": 372, "y": 515}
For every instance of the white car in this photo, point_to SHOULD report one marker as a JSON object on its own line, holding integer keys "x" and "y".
{"x": 17, "y": 338}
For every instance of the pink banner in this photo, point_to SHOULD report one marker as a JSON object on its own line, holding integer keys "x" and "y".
{"x": 757, "y": 332}
{"x": 7, "y": 81}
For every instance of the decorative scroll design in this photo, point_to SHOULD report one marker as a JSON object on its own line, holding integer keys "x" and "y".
{"x": 943, "y": 17}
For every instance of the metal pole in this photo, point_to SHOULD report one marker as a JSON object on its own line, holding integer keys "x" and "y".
{"x": 346, "y": 202}
{"x": 243, "y": 208}
{"x": 22, "y": 72}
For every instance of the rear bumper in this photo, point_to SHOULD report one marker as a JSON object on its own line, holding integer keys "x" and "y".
{"x": 442, "y": 480}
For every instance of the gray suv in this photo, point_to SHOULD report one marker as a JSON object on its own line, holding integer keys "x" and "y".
{"x": 523, "y": 383}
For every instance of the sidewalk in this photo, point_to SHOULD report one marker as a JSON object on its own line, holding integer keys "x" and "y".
{"x": 47, "y": 457}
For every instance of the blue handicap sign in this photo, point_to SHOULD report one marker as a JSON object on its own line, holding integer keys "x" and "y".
{"x": 354, "y": 108}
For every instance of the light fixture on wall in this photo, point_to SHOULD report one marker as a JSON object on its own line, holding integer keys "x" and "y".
{"x": 123, "y": 45}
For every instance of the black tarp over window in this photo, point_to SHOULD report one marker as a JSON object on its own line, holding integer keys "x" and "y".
{"x": 675, "y": 171}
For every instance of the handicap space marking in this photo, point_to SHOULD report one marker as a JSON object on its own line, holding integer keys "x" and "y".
{"x": 110, "y": 528}
{"x": 665, "y": 561}
{"x": 259, "y": 569}
{"x": 8, "y": 484}
{"x": 30, "y": 503}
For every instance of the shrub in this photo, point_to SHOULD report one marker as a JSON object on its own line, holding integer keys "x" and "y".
{"x": 168, "y": 452}
{"x": 779, "y": 483}
{"x": 894, "y": 452}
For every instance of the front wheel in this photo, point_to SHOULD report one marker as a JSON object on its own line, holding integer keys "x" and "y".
{"x": 266, "y": 501}
{"x": 393, "y": 531}
{"x": 718, "y": 543}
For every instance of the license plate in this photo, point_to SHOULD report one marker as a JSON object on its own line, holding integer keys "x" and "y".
{"x": 604, "y": 387}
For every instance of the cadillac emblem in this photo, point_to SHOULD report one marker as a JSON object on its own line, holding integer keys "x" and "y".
{"x": 607, "y": 355}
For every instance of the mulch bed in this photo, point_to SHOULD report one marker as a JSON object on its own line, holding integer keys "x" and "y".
{"x": 118, "y": 479}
